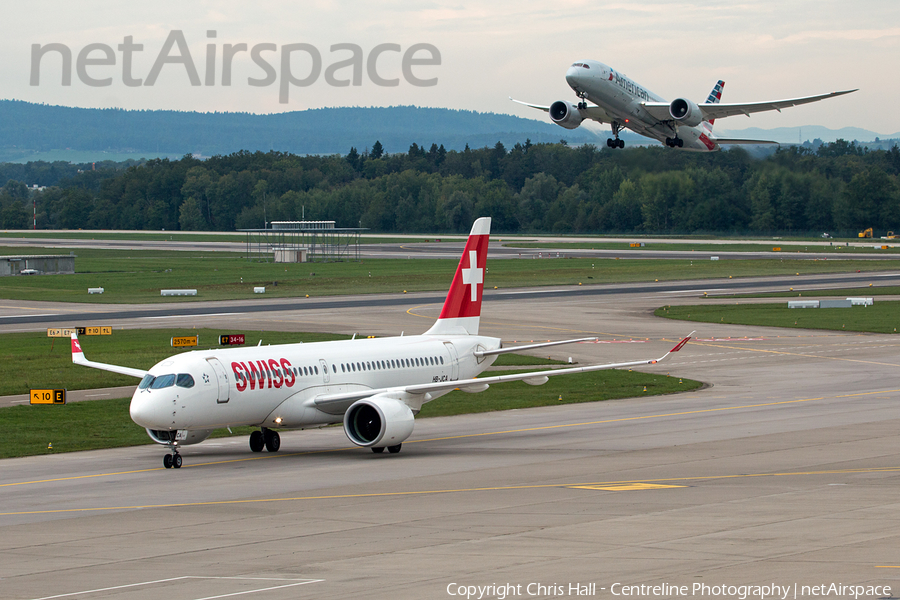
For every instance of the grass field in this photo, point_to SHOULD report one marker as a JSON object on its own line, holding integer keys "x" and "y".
{"x": 138, "y": 276}
{"x": 882, "y": 317}
{"x": 34, "y": 361}
{"x": 848, "y": 292}
{"x": 29, "y": 430}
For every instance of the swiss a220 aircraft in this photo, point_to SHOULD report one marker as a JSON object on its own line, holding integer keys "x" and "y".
{"x": 374, "y": 386}
{"x": 624, "y": 104}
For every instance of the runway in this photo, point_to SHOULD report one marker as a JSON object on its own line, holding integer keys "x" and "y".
{"x": 785, "y": 470}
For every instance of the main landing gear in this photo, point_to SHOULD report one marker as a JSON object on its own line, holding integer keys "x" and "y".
{"x": 615, "y": 143}
{"x": 266, "y": 438}
{"x": 675, "y": 142}
{"x": 391, "y": 449}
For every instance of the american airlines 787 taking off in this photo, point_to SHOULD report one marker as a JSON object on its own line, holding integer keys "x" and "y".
{"x": 374, "y": 386}
{"x": 624, "y": 104}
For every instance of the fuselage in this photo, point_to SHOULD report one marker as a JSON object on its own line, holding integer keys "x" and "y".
{"x": 621, "y": 99}
{"x": 276, "y": 386}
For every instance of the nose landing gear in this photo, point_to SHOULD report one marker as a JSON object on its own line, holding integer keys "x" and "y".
{"x": 173, "y": 460}
{"x": 582, "y": 104}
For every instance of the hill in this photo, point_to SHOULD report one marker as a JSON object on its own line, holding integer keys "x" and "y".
{"x": 31, "y": 127}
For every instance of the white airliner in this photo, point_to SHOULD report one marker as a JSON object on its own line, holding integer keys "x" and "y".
{"x": 624, "y": 104}
{"x": 374, "y": 386}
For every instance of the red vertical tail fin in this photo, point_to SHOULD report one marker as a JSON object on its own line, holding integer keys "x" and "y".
{"x": 462, "y": 308}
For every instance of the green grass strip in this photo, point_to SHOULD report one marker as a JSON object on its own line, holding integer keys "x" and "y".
{"x": 882, "y": 317}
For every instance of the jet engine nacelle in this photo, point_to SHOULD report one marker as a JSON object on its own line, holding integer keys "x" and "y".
{"x": 686, "y": 112}
{"x": 565, "y": 114}
{"x": 378, "y": 422}
{"x": 183, "y": 437}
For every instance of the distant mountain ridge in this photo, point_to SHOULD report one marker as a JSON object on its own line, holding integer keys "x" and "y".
{"x": 314, "y": 131}
{"x": 27, "y": 127}
{"x": 798, "y": 135}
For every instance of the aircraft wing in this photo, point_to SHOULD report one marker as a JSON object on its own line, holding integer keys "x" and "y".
{"x": 331, "y": 402}
{"x": 660, "y": 110}
{"x": 595, "y": 113}
{"x": 79, "y": 358}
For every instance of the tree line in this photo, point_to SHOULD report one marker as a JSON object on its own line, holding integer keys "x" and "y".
{"x": 840, "y": 188}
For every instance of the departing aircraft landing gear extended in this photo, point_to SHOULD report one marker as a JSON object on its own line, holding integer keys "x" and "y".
{"x": 582, "y": 104}
{"x": 615, "y": 143}
{"x": 265, "y": 438}
{"x": 675, "y": 142}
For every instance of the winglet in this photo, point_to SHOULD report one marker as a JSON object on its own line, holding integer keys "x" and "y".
{"x": 681, "y": 343}
{"x": 77, "y": 352}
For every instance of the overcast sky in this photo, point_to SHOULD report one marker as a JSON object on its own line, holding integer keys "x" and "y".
{"x": 763, "y": 49}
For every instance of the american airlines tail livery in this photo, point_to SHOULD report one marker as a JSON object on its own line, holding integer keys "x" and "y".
{"x": 624, "y": 104}
{"x": 374, "y": 386}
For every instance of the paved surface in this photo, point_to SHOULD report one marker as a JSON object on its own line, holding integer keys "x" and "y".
{"x": 785, "y": 470}
{"x": 30, "y": 316}
{"x": 499, "y": 249}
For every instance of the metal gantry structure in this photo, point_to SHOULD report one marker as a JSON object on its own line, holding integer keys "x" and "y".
{"x": 322, "y": 241}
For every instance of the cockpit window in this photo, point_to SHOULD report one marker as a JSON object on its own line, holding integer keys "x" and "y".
{"x": 163, "y": 381}
{"x": 146, "y": 381}
{"x": 586, "y": 66}
{"x": 184, "y": 380}
{"x": 577, "y": 65}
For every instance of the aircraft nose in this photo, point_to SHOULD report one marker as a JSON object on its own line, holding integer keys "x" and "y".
{"x": 148, "y": 409}
{"x": 573, "y": 76}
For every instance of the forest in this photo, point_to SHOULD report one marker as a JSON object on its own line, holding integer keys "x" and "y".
{"x": 840, "y": 188}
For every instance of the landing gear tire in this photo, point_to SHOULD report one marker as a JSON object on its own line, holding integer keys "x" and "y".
{"x": 257, "y": 443}
{"x": 167, "y": 461}
{"x": 176, "y": 461}
{"x": 378, "y": 450}
{"x": 615, "y": 143}
{"x": 273, "y": 440}
{"x": 394, "y": 449}
{"x": 675, "y": 142}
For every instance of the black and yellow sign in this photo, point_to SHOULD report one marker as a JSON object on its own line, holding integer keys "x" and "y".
{"x": 48, "y": 396}
{"x": 185, "y": 341}
{"x": 61, "y": 332}
{"x": 68, "y": 331}
{"x": 232, "y": 339}
{"x": 96, "y": 331}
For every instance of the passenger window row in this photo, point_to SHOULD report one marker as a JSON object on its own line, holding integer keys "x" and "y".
{"x": 384, "y": 365}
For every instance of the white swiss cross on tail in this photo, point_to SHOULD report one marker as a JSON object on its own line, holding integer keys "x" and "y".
{"x": 462, "y": 309}
{"x": 473, "y": 276}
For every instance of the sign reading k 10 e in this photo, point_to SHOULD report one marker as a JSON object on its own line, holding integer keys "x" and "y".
{"x": 185, "y": 341}
{"x": 235, "y": 339}
{"x": 48, "y": 396}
